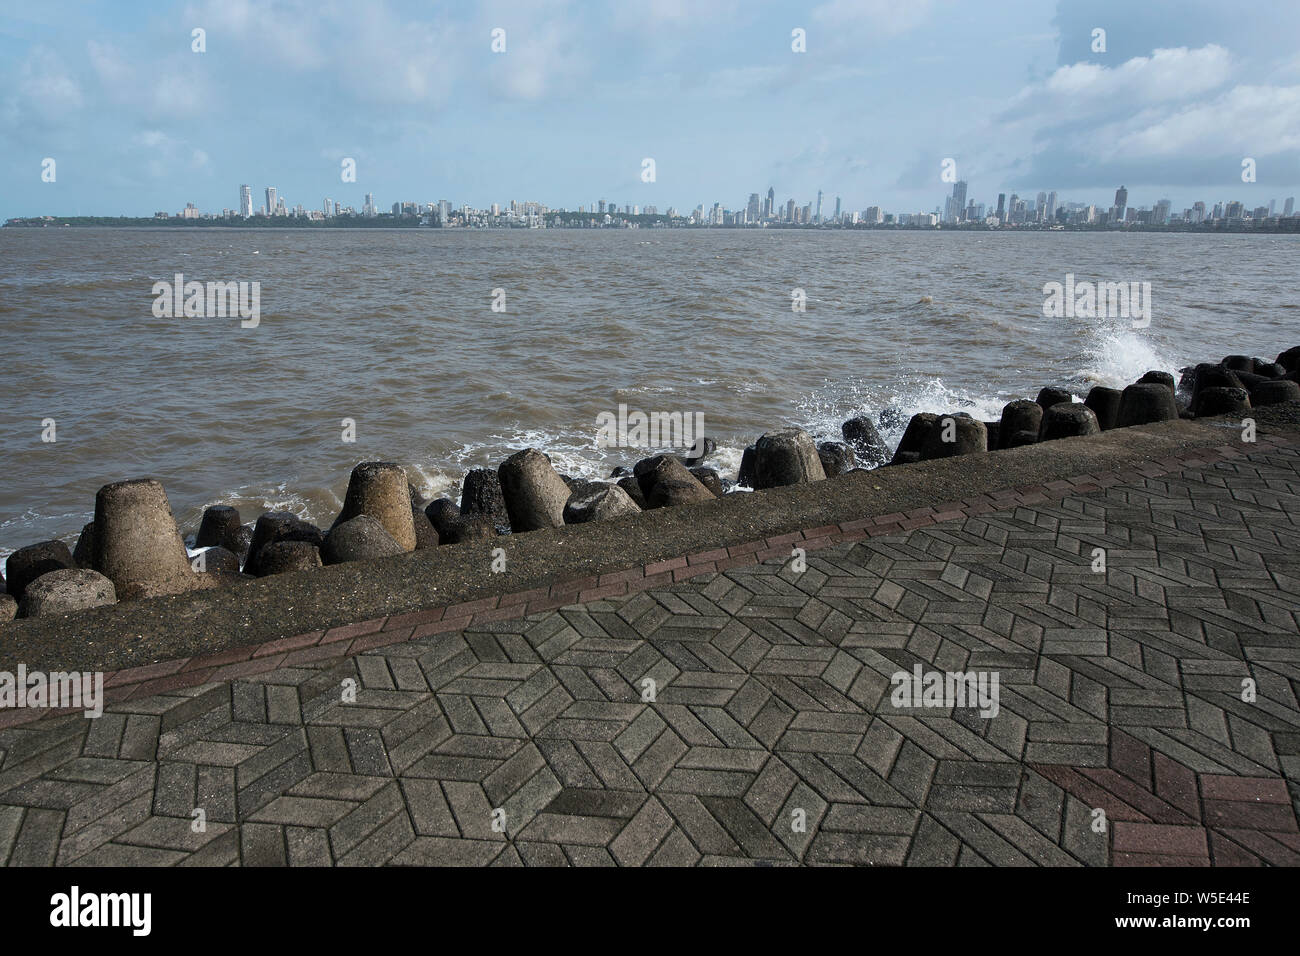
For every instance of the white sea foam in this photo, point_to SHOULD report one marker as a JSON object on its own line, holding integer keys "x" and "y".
{"x": 1119, "y": 357}
{"x": 890, "y": 407}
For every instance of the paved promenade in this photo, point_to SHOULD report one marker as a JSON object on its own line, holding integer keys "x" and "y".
{"x": 482, "y": 736}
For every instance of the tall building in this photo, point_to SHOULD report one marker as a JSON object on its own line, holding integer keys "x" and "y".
{"x": 1040, "y": 208}
{"x": 752, "y": 208}
{"x": 1121, "y": 202}
{"x": 1289, "y": 206}
{"x": 958, "y": 208}
{"x": 819, "y": 206}
{"x": 1002, "y": 207}
{"x": 837, "y": 208}
{"x": 1160, "y": 215}
{"x": 1051, "y": 206}
{"x": 789, "y": 210}
{"x": 1015, "y": 209}
{"x": 770, "y": 211}
{"x": 245, "y": 201}
{"x": 328, "y": 208}
{"x": 270, "y": 200}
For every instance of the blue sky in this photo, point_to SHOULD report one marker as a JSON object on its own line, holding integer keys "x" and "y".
{"x": 712, "y": 91}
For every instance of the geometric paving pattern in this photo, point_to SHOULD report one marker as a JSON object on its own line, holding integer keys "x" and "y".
{"x": 772, "y": 737}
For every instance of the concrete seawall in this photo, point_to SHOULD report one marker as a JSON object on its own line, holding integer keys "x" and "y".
{"x": 585, "y": 556}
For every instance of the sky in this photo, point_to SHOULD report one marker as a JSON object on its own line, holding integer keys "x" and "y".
{"x": 1012, "y": 91}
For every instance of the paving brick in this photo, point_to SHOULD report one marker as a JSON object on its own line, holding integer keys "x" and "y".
{"x": 1119, "y": 692}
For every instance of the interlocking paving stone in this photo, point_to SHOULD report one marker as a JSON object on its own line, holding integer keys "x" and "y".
{"x": 772, "y": 735}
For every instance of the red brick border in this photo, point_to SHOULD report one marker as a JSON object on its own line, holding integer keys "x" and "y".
{"x": 352, "y": 639}
{"x": 1162, "y": 813}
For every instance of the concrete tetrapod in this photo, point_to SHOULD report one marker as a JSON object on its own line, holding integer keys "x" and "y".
{"x": 137, "y": 544}
{"x": 379, "y": 489}
{"x": 64, "y": 591}
{"x": 787, "y": 456}
{"x": 534, "y": 492}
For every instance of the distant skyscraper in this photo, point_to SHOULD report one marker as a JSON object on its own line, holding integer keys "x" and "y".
{"x": 752, "y": 208}
{"x": 245, "y": 201}
{"x": 270, "y": 200}
{"x": 1160, "y": 215}
{"x": 328, "y": 208}
{"x": 789, "y": 210}
{"x": 1289, "y": 206}
{"x": 770, "y": 211}
{"x": 1040, "y": 208}
{"x": 837, "y": 208}
{"x": 1051, "y": 206}
{"x": 1121, "y": 202}
{"x": 958, "y": 199}
{"x": 819, "y": 206}
{"x": 1002, "y": 207}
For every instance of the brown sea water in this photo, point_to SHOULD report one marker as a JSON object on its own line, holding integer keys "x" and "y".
{"x": 394, "y": 329}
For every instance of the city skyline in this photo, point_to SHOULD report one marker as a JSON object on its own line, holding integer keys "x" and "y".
{"x": 1046, "y": 209}
{"x": 876, "y": 104}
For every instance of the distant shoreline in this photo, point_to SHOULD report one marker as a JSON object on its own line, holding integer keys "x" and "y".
{"x": 566, "y": 222}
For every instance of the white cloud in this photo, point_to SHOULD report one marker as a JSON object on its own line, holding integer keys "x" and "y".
{"x": 1085, "y": 90}
{"x": 159, "y": 89}
{"x": 1245, "y": 121}
{"x": 1183, "y": 112}
{"x": 46, "y": 93}
{"x": 159, "y": 154}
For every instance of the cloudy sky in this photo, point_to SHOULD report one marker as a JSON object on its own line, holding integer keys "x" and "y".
{"x": 586, "y": 89}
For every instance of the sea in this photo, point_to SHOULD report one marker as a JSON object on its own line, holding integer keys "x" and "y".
{"x": 447, "y": 350}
